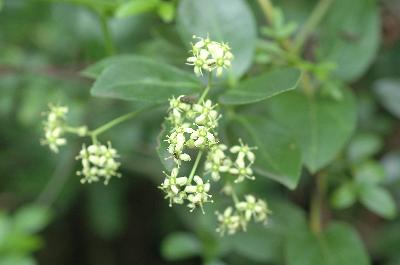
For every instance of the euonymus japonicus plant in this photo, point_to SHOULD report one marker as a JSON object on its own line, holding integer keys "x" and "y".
{"x": 288, "y": 115}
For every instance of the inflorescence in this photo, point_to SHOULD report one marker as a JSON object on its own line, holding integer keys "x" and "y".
{"x": 192, "y": 139}
{"x": 98, "y": 161}
{"x": 209, "y": 55}
{"x": 193, "y": 126}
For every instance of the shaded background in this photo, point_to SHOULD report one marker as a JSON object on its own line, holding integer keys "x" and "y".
{"x": 43, "y": 48}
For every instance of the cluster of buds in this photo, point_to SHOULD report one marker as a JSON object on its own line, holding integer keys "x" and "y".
{"x": 98, "y": 161}
{"x": 235, "y": 219}
{"x": 209, "y": 55}
{"x": 54, "y": 127}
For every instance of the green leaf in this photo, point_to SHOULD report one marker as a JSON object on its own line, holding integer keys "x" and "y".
{"x": 259, "y": 243}
{"x": 378, "y": 200}
{"x": 363, "y": 146}
{"x": 338, "y": 244}
{"x": 350, "y": 38}
{"x": 229, "y": 21}
{"x": 262, "y": 87}
{"x": 135, "y": 7}
{"x": 31, "y": 219}
{"x": 370, "y": 172}
{"x": 278, "y": 155}
{"x": 320, "y": 124}
{"x": 388, "y": 91}
{"x": 345, "y": 196}
{"x": 93, "y": 71}
{"x": 162, "y": 147}
{"x": 166, "y": 11}
{"x": 180, "y": 246}
{"x": 17, "y": 259}
{"x": 144, "y": 80}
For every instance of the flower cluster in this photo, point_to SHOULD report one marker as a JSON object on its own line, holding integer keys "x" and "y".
{"x": 98, "y": 161}
{"x": 54, "y": 127}
{"x": 233, "y": 220}
{"x": 209, "y": 55}
{"x": 193, "y": 127}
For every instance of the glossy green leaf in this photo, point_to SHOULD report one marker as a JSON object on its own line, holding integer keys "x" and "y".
{"x": 180, "y": 246}
{"x": 338, "y": 244}
{"x": 278, "y": 155}
{"x": 350, "y": 37}
{"x": 229, "y": 21}
{"x": 388, "y": 91}
{"x": 378, "y": 200}
{"x": 345, "y": 196}
{"x": 144, "y": 80}
{"x": 135, "y": 7}
{"x": 262, "y": 87}
{"x": 321, "y": 125}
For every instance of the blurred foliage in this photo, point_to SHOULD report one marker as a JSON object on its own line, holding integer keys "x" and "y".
{"x": 338, "y": 121}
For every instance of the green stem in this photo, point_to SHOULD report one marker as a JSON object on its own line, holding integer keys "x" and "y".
{"x": 207, "y": 89}
{"x": 315, "y": 18}
{"x": 117, "y": 121}
{"x": 316, "y": 206}
{"x": 194, "y": 168}
{"x": 109, "y": 45}
{"x": 268, "y": 9}
{"x": 234, "y": 196}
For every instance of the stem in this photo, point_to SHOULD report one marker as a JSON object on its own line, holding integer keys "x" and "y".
{"x": 315, "y": 18}
{"x": 194, "y": 168}
{"x": 268, "y": 9}
{"x": 207, "y": 89}
{"x": 316, "y": 205}
{"x": 108, "y": 43}
{"x": 117, "y": 121}
{"x": 61, "y": 173}
{"x": 234, "y": 196}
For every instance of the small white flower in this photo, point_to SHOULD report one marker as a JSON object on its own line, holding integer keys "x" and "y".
{"x": 202, "y": 137}
{"x": 244, "y": 151}
{"x": 206, "y": 114}
{"x": 98, "y": 161}
{"x": 242, "y": 171}
{"x": 171, "y": 187}
{"x": 228, "y": 222}
{"x": 198, "y": 193}
{"x": 253, "y": 208}
{"x": 176, "y": 109}
{"x": 199, "y": 61}
{"x": 210, "y": 55}
{"x": 217, "y": 162}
